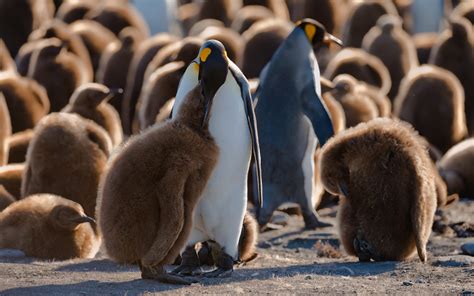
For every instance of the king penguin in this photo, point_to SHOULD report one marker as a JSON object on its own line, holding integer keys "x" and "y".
{"x": 220, "y": 212}
{"x": 289, "y": 112}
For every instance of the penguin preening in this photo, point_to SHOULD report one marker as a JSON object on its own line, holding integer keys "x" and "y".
{"x": 290, "y": 129}
{"x": 432, "y": 100}
{"x": 381, "y": 217}
{"x": 151, "y": 188}
{"x": 5, "y": 130}
{"x": 90, "y": 100}
{"x": 27, "y": 100}
{"x": 58, "y": 71}
{"x": 232, "y": 124}
{"x": 456, "y": 169}
{"x": 71, "y": 167}
{"x": 47, "y": 226}
{"x": 394, "y": 47}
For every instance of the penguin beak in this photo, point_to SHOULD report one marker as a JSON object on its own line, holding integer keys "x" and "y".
{"x": 84, "y": 219}
{"x": 329, "y": 38}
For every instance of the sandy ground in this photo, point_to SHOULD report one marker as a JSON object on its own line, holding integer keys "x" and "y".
{"x": 288, "y": 263}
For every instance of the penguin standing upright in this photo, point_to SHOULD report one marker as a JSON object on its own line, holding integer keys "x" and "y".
{"x": 289, "y": 112}
{"x": 220, "y": 212}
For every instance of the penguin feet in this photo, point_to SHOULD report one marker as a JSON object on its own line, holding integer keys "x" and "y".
{"x": 225, "y": 266}
{"x": 190, "y": 264}
{"x": 364, "y": 250}
{"x": 158, "y": 273}
{"x": 312, "y": 221}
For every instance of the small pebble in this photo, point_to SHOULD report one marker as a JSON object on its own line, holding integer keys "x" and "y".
{"x": 468, "y": 248}
{"x": 308, "y": 277}
{"x": 406, "y": 283}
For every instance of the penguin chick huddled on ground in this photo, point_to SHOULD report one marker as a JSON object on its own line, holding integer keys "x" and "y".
{"x": 57, "y": 70}
{"x": 456, "y": 168}
{"x": 362, "y": 66}
{"x": 454, "y": 51}
{"x": 90, "y": 101}
{"x": 67, "y": 157}
{"x": 50, "y": 227}
{"x": 432, "y": 100}
{"x": 383, "y": 172}
{"x": 148, "y": 194}
{"x": 5, "y": 130}
{"x": 394, "y": 47}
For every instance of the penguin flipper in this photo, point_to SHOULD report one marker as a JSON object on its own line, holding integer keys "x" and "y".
{"x": 252, "y": 122}
{"x": 316, "y": 110}
{"x": 171, "y": 217}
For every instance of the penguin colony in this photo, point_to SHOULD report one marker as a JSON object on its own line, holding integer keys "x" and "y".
{"x": 159, "y": 148}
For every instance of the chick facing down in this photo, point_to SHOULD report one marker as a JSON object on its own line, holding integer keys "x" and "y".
{"x": 383, "y": 172}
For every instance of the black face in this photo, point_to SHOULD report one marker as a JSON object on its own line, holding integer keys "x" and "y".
{"x": 213, "y": 68}
{"x": 316, "y": 32}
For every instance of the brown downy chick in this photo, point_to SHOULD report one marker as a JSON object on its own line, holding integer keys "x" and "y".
{"x": 6, "y": 198}
{"x": 27, "y": 101}
{"x": 115, "y": 63}
{"x": 148, "y": 194}
{"x": 58, "y": 71}
{"x": 394, "y": 47}
{"x": 90, "y": 100}
{"x": 279, "y": 8}
{"x": 383, "y": 172}
{"x": 455, "y": 52}
{"x": 11, "y": 177}
{"x": 362, "y": 66}
{"x": 18, "y": 146}
{"x": 456, "y": 169}
{"x": 432, "y": 100}
{"x": 50, "y": 227}
{"x": 249, "y": 15}
{"x": 67, "y": 157}
{"x": 142, "y": 57}
{"x": 5, "y": 130}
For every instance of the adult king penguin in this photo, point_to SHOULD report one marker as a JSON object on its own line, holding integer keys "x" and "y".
{"x": 219, "y": 214}
{"x": 289, "y": 112}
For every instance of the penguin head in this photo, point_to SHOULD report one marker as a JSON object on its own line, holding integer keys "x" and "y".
{"x": 93, "y": 94}
{"x": 68, "y": 216}
{"x": 316, "y": 32}
{"x": 212, "y": 64}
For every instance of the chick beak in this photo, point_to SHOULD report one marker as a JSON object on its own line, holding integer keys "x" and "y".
{"x": 84, "y": 219}
{"x": 329, "y": 38}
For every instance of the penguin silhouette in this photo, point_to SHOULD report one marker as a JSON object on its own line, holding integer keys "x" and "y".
{"x": 58, "y": 71}
{"x": 27, "y": 101}
{"x": 432, "y": 100}
{"x": 394, "y": 47}
{"x": 47, "y": 226}
{"x": 11, "y": 177}
{"x": 290, "y": 129}
{"x": 262, "y": 39}
{"x": 5, "y": 130}
{"x": 115, "y": 63}
{"x": 71, "y": 167}
{"x": 90, "y": 100}
{"x": 146, "y": 209}
{"x": 381, "y": 217}
{"x": 454, "y": 51}
{"x": 141, "y": 58}
{"x": 95, "y": 37}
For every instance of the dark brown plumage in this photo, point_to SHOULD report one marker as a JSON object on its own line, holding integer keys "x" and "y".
{"x": 362, "y": 17}
{"x": 454, "y": 51}
{"x": 71, "y": 11}
{"x": 27, "y": 101}
{"x": 384, "y": 173}
{"x": 5, "y": 130}
{"x": 151, "y": 187}
{"x": 58, "y": 71}
{"x": 47, "y": 226}
{"x": 361, "y": 65}
{"x": 278, "y": 8}
{"x": 18, "y": 146}
{"x": 327, "y": 12}
{"x": 249, "y": 15}
{"x": 11, "y": 177}
{"x": 115, "y": 63}
{"x": 67, "y": 157}
{"x": 262, "y": 39}
{"x": 456, "y": 168}
{"x": 432, "y": 100}
{"x": 394, "y": 47}
{"x": 141, "y": 58}
{"x": 90, "y": 100}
